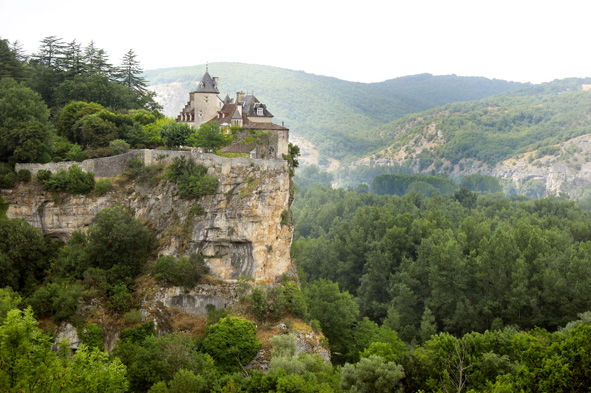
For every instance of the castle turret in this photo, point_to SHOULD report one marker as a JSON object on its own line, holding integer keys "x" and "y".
{"x": 204, "y": 102}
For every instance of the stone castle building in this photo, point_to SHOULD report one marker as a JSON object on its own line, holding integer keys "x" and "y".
{"x": 245, "y": 112}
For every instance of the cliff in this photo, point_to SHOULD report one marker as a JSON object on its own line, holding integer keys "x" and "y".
{"x": 239, "y": 229}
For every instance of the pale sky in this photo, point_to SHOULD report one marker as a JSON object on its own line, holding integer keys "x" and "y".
{"x": 363, "y": 40}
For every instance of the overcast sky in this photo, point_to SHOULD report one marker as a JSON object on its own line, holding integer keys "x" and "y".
{"x": 362, "y": 40}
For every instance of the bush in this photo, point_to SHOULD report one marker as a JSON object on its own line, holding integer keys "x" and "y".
{"x": 175, "y": 134}
{"x": 119, "y": 243}
{"x": 119, "y": 146}
{"x": 24, "y": 175}
{"x": 192, "y": 179}
{"x": 8, "y": 177}
{"x": 142, "y": 173}
{"x": 133, "y": 316}
{"x": 57, "y": 300}
{"x": 43, "y": 175}
{"x": 74, "y": 181}
{"x": 184, "y": 271}
{"x": 120, "y": 299}
{"x": 91, "y": 334}
{"x": 103, "y": 186}
{"x": 232, "y": 342}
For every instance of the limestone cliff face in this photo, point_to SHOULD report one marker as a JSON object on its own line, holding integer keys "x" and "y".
{"x": 240, "y": 233}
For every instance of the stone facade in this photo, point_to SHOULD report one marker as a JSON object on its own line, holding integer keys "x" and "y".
{"x": 245, "y": 111}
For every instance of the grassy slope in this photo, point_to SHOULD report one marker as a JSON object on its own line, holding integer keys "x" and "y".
{"x": 334, "y": 114}
{"x": 493, "y": 129}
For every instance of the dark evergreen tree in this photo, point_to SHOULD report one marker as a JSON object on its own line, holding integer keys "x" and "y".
{"x": 50, "y": 52}
{"x": 97, "y": 60}
{"x": 130, "y": 71}
{"x": 73, "y": 62}
{"x": 10, "y": 65}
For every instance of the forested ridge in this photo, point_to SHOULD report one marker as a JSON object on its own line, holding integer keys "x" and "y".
{"x": 492, "y": 129}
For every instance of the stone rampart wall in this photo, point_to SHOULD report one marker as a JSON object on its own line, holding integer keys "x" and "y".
{"x": 116, "y": 165}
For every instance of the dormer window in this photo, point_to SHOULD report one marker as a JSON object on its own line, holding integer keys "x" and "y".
{"x": 259, "y": 111}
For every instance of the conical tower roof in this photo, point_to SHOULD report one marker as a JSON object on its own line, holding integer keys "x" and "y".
{"x": 207, "y": 85}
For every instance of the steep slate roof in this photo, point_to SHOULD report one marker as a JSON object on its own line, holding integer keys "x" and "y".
{"x": 250, "y": 105}
{"x": 207, "y": 85}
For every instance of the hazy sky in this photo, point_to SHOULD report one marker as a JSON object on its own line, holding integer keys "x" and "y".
{"x": 362, "y": 40}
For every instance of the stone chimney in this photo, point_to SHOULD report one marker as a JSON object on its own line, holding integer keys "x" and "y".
{"x": 240, "y": 97}
{"x": 216, "y": 81}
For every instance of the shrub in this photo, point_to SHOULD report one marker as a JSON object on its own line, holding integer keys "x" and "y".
{"x": 119, "y": 146}
{"x": 8, "y": 177}
{"x": 120, "y": 299}
{"x": 133, "y": 316}
{"x": 74, "y": 181}
{"x": 91, "y": 334}
{"x": 232, "y": 342}
{"x": 59, "y": 300}
{"x": 142, "y": 173}
{"x": 103, "y": 186}
{"x": 184, "y": 271}
{"x": 119, "y": 243}
{"x": 24, "y": 175}
{"x": 43, "y": 175}
{"x": 192, "y": 179}
{"x": 175, "y": 134}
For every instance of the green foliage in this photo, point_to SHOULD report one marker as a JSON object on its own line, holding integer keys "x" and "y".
{"x": 184, "y": 271}
{"x": 92, "y": 335}
{"x": 73, "y": 180}
{"x": 311, "y": 174}
{"x": 24, "y": 175}
{"x": 151, "y": 360}
{"x": 501, "y": 262}
{"x": 119, "y": 146}
{"x": 192, "y": 179}
{"x": 9, "y": 300}
{"x": 8, "y": 177}
{"x": 57, "y": 300}
{"x": 372, "y": 374}
{"x": 23, "y": 255}
{"x": 271, "y": 304}
{"x": 30, "y": 365}
{"x": 24, "y": 128}
{"x": 481, "y": 183}
{"x": 231, "y": 342}
{"x": 103, "y": 186}
{"x": 335, "y": 310}
{"x": 494, "y": 129}
{"x": 119, "y": 243}
{"x": 209, "y": 137}
{"x": 144, "y": 174}
{"x": 401, "y": 184}
{"x": 43, "y": 175}
{"x": 120, "y": 298}
{"x": 293, "y": 152}
{"x": 176, "y": 134}
{"x": 71, "y": 114}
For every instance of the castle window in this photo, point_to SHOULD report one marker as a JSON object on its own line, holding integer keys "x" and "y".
{"x": 259, "y": 111}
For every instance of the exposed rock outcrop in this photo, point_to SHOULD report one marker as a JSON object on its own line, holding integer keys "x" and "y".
{"x": 241, "y": 232}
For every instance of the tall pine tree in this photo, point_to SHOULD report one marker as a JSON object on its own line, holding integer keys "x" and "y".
{"x": 129, "y": 73}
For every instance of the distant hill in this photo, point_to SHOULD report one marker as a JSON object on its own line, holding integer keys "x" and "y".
{"x": 337, "y": 116}
{"x": 539, "y": 133}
